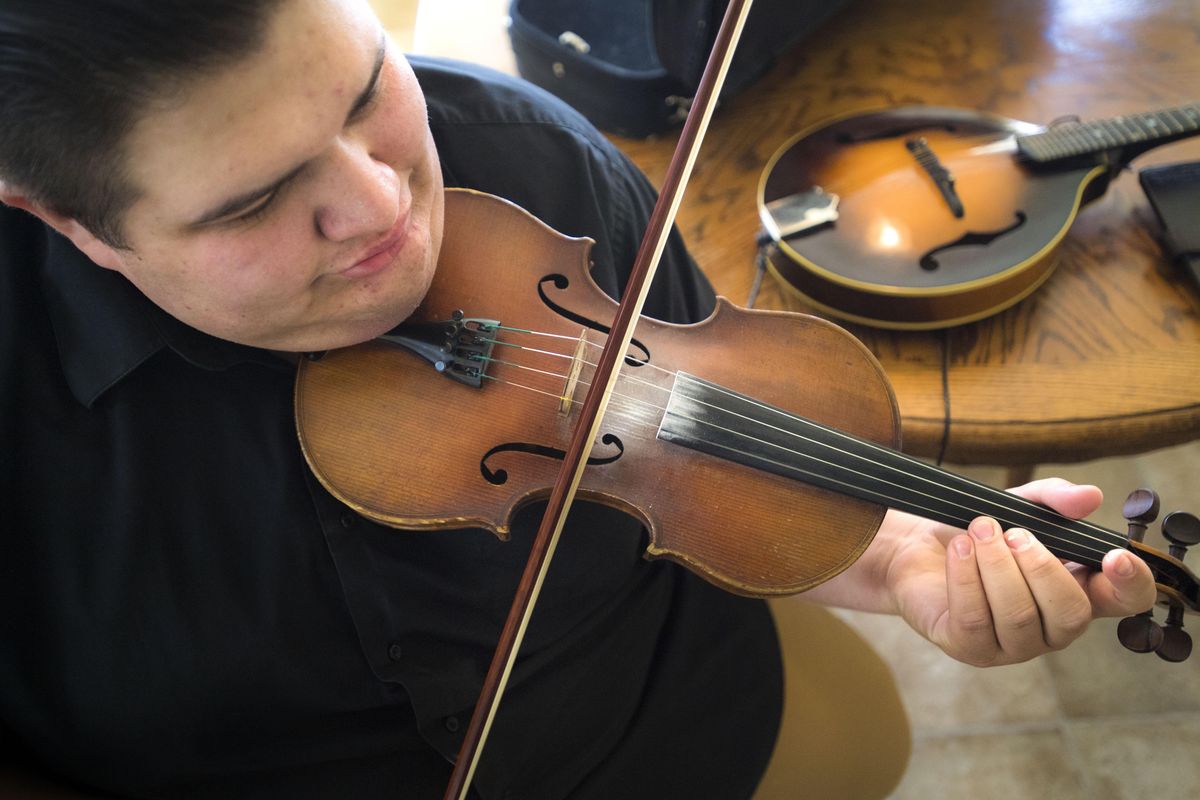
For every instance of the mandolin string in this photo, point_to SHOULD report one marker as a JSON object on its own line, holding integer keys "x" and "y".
{"x": 1007, "y": 501}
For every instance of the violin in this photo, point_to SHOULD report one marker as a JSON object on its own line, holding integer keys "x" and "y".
{"x": 762, "y": 480}
{"x": 922, "y": 217}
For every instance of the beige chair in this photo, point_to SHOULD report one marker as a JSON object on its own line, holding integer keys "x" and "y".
{"x": 844, "y": 735}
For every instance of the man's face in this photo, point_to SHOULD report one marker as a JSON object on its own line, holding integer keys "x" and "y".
{"x": 292, "y": 201}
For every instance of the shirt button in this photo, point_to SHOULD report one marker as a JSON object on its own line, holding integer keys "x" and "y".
{"x": 452, "y": 724}
{"x": 395, "y": 651}
{"x": 349, "y": 520}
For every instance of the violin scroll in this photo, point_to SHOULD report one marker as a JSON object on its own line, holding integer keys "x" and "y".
{"x": 1177, "y": 586}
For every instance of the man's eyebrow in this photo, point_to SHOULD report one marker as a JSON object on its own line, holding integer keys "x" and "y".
{"x": 365, "y": 96}
{"x": 245, "y": 199}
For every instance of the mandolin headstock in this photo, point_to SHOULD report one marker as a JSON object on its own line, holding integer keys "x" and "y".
{"x": 1178, "y": 587}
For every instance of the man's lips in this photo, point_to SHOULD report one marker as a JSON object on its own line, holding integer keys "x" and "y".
{"x": 380, "y": 254}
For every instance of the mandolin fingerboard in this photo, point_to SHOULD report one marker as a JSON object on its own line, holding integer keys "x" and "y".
{"x": 1079, "y": 139}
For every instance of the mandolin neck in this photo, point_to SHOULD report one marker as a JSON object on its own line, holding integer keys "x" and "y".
{"x": 706, "y": 417}
{"x": 1133, "y": 133}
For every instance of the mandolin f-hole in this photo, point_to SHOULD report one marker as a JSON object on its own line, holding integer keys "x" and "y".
{"x": 970, "y": 239}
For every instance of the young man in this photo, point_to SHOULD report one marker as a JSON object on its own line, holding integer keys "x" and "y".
{"x": 213, "y": 188}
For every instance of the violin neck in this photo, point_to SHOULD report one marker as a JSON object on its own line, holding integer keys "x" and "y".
{"x": 709, "y": 418}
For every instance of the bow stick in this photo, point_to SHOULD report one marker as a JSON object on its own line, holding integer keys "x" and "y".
{"x": 596, "y": 401}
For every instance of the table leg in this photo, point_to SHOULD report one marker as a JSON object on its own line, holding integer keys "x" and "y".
{"x": 1018, "y": 475}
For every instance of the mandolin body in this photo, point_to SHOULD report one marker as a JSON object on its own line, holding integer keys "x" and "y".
{"x": 897, "y": 255}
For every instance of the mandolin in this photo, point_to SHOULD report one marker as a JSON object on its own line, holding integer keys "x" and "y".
{"x": 923, "y": 217}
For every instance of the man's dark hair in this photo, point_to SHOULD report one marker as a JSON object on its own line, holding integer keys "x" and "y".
{"x": 75, "y": 76}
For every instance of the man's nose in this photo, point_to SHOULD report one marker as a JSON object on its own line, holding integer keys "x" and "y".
{"x": 361, "y": 196}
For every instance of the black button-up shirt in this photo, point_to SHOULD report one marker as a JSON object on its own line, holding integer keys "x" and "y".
{"x": 185, "y": 611}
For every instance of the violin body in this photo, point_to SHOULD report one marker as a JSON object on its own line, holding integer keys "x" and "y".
{"x": 404, "y": 445}
{"x": 943, "y": 216}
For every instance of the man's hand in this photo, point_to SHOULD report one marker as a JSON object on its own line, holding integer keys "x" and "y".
{"x": 987, "y": 596}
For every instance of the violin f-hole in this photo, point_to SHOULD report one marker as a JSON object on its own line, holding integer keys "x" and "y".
{"x": 499, "y": 477}
{"x": 561, "y": 283}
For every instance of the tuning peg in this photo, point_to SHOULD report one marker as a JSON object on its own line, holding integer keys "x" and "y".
{"x": 1182, "y": 530}
{"x": 1140, "y": 509}
{"x": 1140, "y": 633}
{"x": 1176, "y": 643}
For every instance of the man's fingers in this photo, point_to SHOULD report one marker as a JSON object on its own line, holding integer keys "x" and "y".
{"x": 1124, "y": 586}
{"x": 1069, "y": 499}
{"x": 1015, "y": 612}
{"x": 1063, "y": 607}
{"x": 970, "y": 635}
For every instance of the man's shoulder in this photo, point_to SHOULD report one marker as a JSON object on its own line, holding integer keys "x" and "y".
{"x": 22, "y": 246}
{"x": 467, "y": 98}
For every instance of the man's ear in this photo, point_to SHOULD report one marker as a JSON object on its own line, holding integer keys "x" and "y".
{"x": 102, "y": 253}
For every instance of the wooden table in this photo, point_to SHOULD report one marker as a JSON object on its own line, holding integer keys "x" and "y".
{"x": 1104, "y": 358}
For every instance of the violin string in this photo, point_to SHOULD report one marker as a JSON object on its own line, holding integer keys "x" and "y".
{"x": 515, "y": 365}
{"x": 963, "y": 520}
{"x": 825, "y": 474}
{"x": 1067, "y": 546}
{"x": 584, "y": 361}
{"x": 558, "y": 395}
{"x": 1007, "y": 496}
{"x": 1004, "y": 499}
{"x": 528, "y": 349}
{"x": 589, "y": 342}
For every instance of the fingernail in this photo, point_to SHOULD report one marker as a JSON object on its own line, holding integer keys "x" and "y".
{"x": 962, "y": 546}
{"x": 1124, "y": 565}
{"x": 1018, "y": 539}
{"x": 983, "y": 528}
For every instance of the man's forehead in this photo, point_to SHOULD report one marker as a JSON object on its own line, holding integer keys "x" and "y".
{"x": 255, "y": 119}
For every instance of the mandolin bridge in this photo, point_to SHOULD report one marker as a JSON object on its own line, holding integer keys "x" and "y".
{"x": 460, "y": 347}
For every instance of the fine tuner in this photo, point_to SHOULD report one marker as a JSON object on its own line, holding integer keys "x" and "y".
{"x": 1141, "y": 633}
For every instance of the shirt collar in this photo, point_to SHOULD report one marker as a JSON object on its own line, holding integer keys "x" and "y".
{"x": 106, "y": 328}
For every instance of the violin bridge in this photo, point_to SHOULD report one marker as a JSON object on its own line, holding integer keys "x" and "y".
{"x": 577, "y": 361}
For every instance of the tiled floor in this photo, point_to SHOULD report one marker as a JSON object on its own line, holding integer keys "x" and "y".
{"x": 1094, "y": 721}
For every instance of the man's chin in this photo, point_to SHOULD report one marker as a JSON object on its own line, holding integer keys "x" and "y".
{"x": 357, "y": 333}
